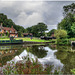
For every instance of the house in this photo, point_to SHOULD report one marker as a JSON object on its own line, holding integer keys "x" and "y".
{"x": 4, "y": 30}
{"x": 27, "y": 34}
{"x": 52, "y": 36}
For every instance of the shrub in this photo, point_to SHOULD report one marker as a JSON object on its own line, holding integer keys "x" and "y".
{"x": 63, "y": 42}
{"x": 59, "y": 34}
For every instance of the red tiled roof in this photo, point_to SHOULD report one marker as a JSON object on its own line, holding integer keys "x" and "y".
{"x": 11, "y": 29}
{"x": 27, "y": 33}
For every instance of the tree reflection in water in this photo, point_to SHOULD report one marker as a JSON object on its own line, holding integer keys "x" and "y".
{"x": 38, "y": 51}
{"x": 53, "y": 55}
{"x": 7, "y": 53}
{"x": 66, "y": 57}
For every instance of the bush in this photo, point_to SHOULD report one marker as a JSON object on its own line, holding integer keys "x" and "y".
{"x": 63, "y": 41}
{"x": 60, "y": 34}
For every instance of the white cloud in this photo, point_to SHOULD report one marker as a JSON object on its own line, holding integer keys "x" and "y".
{"x": 28, "y": 13}
{"x": 27, "y": 21}
{"x": 4, "y": 4}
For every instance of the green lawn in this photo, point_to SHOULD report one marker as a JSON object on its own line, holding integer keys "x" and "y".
{"x": 27, "y": 39}
{"x": 33, "y": 39}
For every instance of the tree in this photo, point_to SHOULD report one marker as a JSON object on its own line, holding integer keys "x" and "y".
{"x": 2, "y": 34}
{"x": 73, "y": 28}
{"x": 37, "y": 30}
{"x": 42, "y": 27}
{"x": 68, "y": 20}
{"x": 7, "y": 33}
{"x": 59, "y": 34}
{"x": 20, "y": 34}
{"x": 69, "y": 9}
{"x": 51, "y": 32}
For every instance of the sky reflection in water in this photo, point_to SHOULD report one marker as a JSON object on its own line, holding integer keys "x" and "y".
{"x": 50, "y": 58}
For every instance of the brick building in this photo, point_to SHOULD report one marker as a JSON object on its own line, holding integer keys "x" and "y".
{"x": 27, "y": 34}
{"x": 12, "y": 32}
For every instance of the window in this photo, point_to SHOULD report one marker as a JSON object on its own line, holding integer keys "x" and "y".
{"x": 10, "y": 31}
{"x": 0, "y": 30}
{"x": 15, "y": 35}
{"x": 15, "y": 31}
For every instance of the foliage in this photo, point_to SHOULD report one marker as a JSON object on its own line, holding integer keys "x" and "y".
{"x": 69, "y": 9}
{"x": 53, "y": 41}
{"x": 3, "y": 34}
{"x": 51, "y": 32}
{"x": 63, "y": 42}
{"x": 73, "y": 28}
{"x": 59, "y": 34}
{"x": 20, "y": 34}
{"x": 69, "y": 19}
{"x": 73, "y": 71}
{"x": 7, "y": 33}
{"x": 37, "y": 30}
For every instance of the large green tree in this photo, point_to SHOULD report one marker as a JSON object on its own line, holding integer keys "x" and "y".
{"x": 69, "y": 19}
{"x": 73, "y": 28}
{"x": 37, "y": 30}
{"x": 51, "y": 32}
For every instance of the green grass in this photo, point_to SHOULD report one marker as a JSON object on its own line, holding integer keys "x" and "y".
{"x": 4, "y": 38}
{"x": 33, "y": 39}
{"x": 27, "y": 39}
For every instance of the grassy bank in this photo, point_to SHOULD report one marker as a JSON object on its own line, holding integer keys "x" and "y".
{"x": 61, "y": 41}
{"x": 26, "y": 39}
{"x": 33, "y": 39}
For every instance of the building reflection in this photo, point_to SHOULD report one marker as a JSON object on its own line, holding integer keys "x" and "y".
{"x": 7, "y": 53}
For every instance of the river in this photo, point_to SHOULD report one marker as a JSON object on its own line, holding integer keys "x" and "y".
{"x": 58, "y": 56}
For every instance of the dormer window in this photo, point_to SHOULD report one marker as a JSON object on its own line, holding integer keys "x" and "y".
{"x": 10, "y": 31}
{"x": 15, "y": 31}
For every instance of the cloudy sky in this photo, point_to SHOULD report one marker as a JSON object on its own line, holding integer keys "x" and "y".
{"x": 29, "y": 13}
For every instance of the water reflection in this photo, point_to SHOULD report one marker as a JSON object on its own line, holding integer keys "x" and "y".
{"x": 59, "y": 56}
{"x": 46, "y": 56}
{"x": 38, "y": 51}
{"x": 7, "y": 53}
{"x": 66, "y": 57}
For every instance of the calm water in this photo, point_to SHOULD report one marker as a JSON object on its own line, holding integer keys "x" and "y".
{"x": 51, "y": 55}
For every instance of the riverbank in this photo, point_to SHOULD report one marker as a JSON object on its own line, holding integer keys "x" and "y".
{"x": 32, "y": 40}
{"x": 62, "y": 41}
{"x": 27, "y": 39}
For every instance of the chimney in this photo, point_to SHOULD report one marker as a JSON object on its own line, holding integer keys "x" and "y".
{"x": 11, "y": 26}
{"x": 1, "y": 24}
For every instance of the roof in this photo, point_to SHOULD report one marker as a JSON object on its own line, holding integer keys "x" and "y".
{"x": 8, "y": 28}
{"x": 27, "y": 33}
